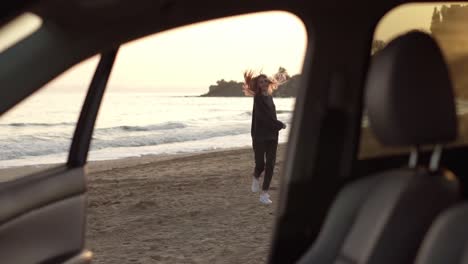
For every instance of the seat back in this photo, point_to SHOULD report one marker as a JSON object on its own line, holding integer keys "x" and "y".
{"x": 447, "y": 239}
{"x": 384, "y": 217}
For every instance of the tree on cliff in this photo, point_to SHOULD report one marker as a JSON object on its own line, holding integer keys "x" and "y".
{"x": 448, "y": 27}
{"x": 287, "y": 88}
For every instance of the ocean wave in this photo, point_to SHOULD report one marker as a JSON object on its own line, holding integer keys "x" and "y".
{"x": 34, "y": 145}
{"x": 164, "y": 126}
{"x": 278, "y": 112}
{"x": 39, "y": 145}
{"x": 175, "y": 136}
{"x": 38, "y": 124}
{"x": 243, "y": 116}
{"x": 57, "y": 143}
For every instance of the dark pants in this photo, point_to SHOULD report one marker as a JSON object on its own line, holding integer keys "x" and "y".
{"x": 262, "y": 150}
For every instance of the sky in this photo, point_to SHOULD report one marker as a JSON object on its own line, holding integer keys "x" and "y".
{"x": 190, "y": 59}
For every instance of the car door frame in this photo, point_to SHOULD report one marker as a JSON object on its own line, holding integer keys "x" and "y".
{"x": 320, "y": 157}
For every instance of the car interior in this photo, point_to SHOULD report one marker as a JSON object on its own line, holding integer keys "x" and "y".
{"x": 334, "y": 207}
{"x": 348, "y": 235}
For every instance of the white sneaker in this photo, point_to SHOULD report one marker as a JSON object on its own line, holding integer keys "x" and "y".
{"x": 255, "y": 185}
{"x": 265, "y": 198}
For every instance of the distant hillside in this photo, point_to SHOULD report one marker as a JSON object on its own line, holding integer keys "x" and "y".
{"x": 223, "y": 88}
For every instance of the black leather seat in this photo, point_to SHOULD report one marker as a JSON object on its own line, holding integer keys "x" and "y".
{"x": 383, "y": 218}
{"x": 447, "y": 239}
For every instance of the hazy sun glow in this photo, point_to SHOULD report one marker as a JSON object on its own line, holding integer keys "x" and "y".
{"x": 407, "y": 17}
{"x": 191, "y": 58}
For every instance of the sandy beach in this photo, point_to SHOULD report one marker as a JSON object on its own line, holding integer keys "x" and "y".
{"x": 179, "y": 209}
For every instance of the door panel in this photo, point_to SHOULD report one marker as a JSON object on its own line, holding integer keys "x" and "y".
{"x": 49, "y": 234}
{"x": 43, "y": 215}
{"x": 32, "y": 192}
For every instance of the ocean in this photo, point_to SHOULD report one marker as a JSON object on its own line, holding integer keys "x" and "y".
{"x": 39, "y": 131}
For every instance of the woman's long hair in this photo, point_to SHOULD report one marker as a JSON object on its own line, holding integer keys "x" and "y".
{"x": 250, "y": 87}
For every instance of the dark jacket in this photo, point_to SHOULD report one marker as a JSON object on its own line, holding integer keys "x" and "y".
{"x": 265, "y": 125}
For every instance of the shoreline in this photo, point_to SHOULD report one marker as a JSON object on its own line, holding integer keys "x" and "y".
{"x": 183, "y": 208}
{"x": 195, "y": 208}
{"x": 94, "y": 166}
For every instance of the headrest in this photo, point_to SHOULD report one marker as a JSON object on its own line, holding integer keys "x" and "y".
{"x": 409, "y": 93}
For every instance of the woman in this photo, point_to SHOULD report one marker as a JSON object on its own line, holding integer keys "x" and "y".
{"x": 264, "y": 129}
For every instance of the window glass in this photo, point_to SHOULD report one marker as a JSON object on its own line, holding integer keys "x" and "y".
{"x": 446, "y": 23}
{"x": 37, "y": 133}
{"x": 171, "y": 156}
